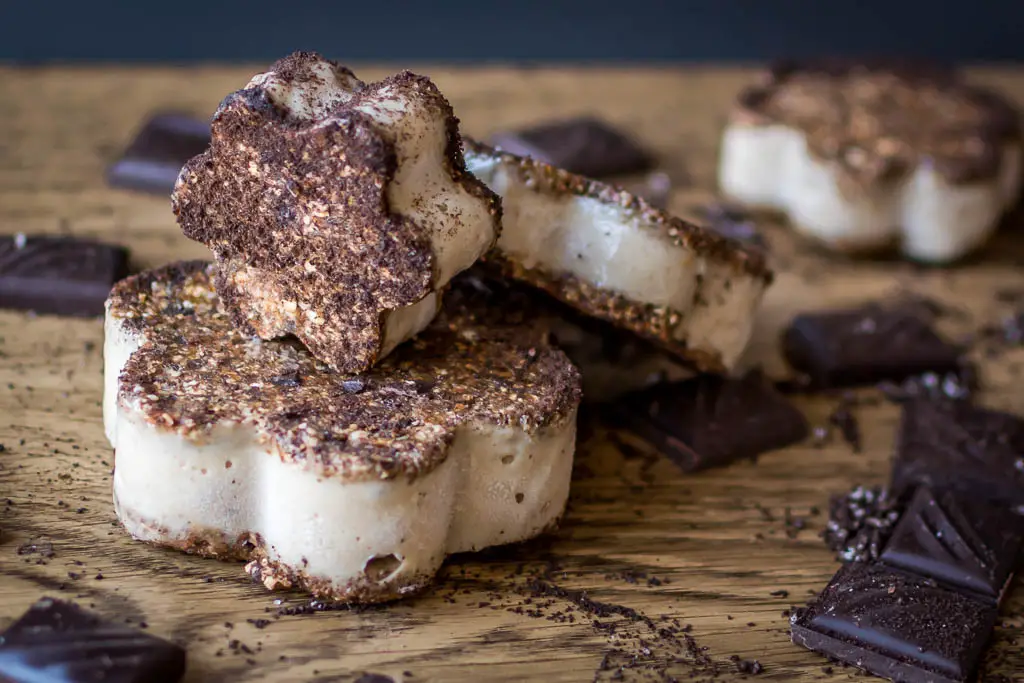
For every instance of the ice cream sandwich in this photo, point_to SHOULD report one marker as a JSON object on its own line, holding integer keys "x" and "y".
{"x": 337, "y": 210}
{"x": 353, "y": 487}
{"x": 612, "y": 256}
{"x": 860, "y": 156}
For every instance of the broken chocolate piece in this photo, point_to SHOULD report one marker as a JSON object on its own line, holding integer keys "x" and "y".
{"x": 711, "y": 421}
{"x": 865, "y": 345}
{"x": 734, "y": 223}
{"x": 963, "y": 543}
{"x": 585, "y": 146}
{"x": 959, "y": 446}
{"x": 60, "y": 642}
{"x": 152, "y": 161}
{"x": 58, "y": 275}
{"x": 896, "y": 626}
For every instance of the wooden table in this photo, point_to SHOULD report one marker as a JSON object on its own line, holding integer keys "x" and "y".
{"x": 709, "y": 550}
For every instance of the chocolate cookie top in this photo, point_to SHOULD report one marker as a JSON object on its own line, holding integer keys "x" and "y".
{"x": 677, "y": 232}
{"x": 294, "y": 197}
{"x": 194, "y": 371}
{"x": 879, "y": 120}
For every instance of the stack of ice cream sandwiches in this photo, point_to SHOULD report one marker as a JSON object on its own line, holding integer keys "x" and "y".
{"x": 371, "y": 372}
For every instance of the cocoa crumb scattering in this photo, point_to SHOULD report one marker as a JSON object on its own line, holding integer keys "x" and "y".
{"x": 860, "y": 522}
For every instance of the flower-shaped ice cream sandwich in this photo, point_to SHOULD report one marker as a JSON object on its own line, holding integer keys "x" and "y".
{"x": 352, "y": 487}
{"x": 862, "y": 155}
{"x": 611, "y": 255}
{"x": 337, "y": 210}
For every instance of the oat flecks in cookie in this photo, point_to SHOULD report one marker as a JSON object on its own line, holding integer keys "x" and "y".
{"x": 880, "y": 120}
{"x": 195, "y": 371}
{"x": 333, "y": 206}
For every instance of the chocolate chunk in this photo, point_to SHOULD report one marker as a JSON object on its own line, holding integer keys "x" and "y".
{"x": 896, "y": 626}
{"x": 960, "y": 446}
{"x": 710, "y": 421}
{"x": 963, "y": 543}
{"x": 733, "y": 223}
{"x": 865, "y": 345}
{"x": 60, "y": 642}
{"x": 585, "y": 146}
{"x": 152, "y": 161}
{"x": 59, "y": 275}
{"x": 860, "y": 522}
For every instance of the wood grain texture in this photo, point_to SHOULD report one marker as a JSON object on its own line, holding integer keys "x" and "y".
{"x": 710, "y": 550}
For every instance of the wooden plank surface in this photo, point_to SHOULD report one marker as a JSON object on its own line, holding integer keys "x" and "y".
{"x": 709, "y": 550}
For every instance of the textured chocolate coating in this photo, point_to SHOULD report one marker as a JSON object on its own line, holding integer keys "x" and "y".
{"x": 960, "y": 446}
{"x": 865, "y": 345}
{"x": 585, "y": 145}
{"x": 59, "y": 275}
{"x": 654, "y": 323}
{"x": 896, "y": 626}
{"x": 294, "y": 206}
{"x": 877, "y": 121}
{"x": 195, "y": 370}
{"x": 59, "y": 642}
{"x": 961, "y": 542}
{"x": 153, "y": 160}
{"x": 711, "y": 421}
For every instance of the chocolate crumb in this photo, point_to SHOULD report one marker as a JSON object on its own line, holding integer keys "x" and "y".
{"x": 844, "y": 419}
{"x": 860, "y": 523}
{"x": 374, "y": 678}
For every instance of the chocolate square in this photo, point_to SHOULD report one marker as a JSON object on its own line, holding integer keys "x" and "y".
{"x": 896, "y": 626}
{"x": 959, "y": 446}
{"x": 585, "y": 146}
{"x": 711, "y": 421}
{"x": 736, "y": 224}
{"x": 60, "y": 642}
{"x": 865, "y": 345}
{"x": 152, "y": 161}
{"x": 960, "y": 542}
{"x": 59, "y": 275}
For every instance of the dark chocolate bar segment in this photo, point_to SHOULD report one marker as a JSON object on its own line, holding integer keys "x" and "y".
{"x": 585, "y": 146}
{"x": 152, "y": 161}
{"x": 959, "y": 446}
{"x": 60, "y": 642}
{"x": 896, "y": 626}
{"x": 711, "y": 421}
{"x": 957, "y": 540}
{"x": 59, "y": 275}
{"x": 865, "y": 345}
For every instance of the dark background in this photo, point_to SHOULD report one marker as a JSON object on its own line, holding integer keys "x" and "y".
{"x": 508, "y": 30}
